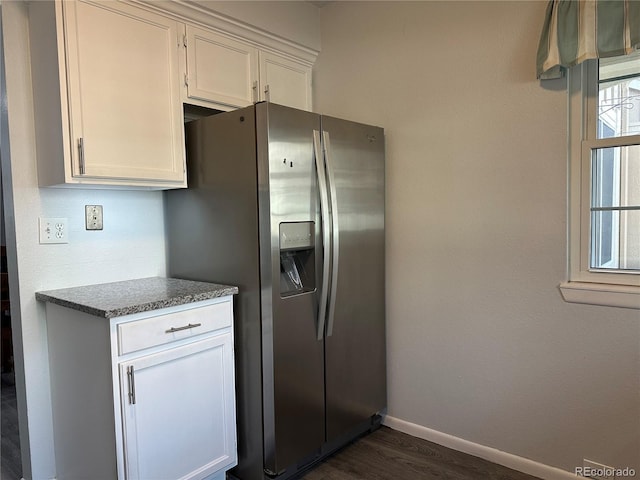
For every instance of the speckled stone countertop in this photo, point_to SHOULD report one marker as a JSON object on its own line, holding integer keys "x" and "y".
{"x": 116, "y": 299}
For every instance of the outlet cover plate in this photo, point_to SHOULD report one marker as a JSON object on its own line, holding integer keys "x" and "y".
{"x": 93, "y": 217}
{"x": 53, "y": 230}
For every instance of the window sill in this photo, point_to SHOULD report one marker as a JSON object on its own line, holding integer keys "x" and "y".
{"x": 601, "y": 294}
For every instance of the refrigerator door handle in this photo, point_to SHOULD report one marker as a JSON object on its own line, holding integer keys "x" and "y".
{"x": 335, "y": 230}
{"x": 326, "y": 245}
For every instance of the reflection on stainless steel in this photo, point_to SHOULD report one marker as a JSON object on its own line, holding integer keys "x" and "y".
{"x": 281, "y": 201}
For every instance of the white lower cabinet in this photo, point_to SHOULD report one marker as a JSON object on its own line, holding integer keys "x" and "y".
{"x": 148, "y": 396}
{"x": 172, "y": 429}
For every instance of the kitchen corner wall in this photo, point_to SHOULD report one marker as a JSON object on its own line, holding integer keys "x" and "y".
{"x": 481, "y": 345}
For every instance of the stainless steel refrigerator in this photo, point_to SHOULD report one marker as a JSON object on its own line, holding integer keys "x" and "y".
{"x": 289, "y": 206}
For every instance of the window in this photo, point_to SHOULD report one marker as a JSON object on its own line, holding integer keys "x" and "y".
{"x": 604, "y": 201}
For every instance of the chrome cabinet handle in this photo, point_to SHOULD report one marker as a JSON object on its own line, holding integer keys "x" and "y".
{"x": 81, "y": 155}
{"x": 132, "y": 385}
{"x": 186, "y": 327}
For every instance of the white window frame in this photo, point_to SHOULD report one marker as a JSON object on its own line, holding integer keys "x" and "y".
{"x": 583, "y": 284}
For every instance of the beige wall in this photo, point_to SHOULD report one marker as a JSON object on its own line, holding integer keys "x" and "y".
{"x": 480, "y": 343}
{"x": 292, "y": 20}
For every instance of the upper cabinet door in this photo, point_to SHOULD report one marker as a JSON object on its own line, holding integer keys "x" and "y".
{"x": 220, "y": 69}
{"x": 285, "y": 81}
{"x": 124, "y": 94}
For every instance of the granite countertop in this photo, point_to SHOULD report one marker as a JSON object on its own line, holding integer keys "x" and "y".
{"x": 116, "y": 299}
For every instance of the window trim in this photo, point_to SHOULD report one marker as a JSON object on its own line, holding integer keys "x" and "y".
{"x": 583, "y": 285}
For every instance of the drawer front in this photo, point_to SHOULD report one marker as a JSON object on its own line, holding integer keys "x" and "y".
{"x": 162, "y": 329}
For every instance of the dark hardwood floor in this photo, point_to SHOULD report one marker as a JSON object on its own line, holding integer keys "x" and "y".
{"x": 383, "y": 455}
{"x": 10, "y": 463}
{"x": 391, "y": 455}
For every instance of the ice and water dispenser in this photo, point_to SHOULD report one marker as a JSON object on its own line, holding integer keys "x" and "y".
{"x": 297, "y": 258}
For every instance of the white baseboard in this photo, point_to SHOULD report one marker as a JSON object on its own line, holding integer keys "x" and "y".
{"x": 505, "y": 459}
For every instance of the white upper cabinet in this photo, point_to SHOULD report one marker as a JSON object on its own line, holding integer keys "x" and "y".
{"x": 115, "y": 116}
{"x": 225, "y": 73}
{"x": 110, "y": 79}
{"x": 219, "y": 69}
{"x": 285, "y": 81}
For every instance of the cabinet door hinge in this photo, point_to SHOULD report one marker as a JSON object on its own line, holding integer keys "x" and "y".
{"x": 184, "y": 40}
{"x": 186, "y": 80}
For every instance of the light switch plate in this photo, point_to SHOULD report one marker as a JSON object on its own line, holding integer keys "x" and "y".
{"x": 93, "y": 217}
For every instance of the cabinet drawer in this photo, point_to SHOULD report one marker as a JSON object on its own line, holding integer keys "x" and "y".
{"x": 154, "y": 331}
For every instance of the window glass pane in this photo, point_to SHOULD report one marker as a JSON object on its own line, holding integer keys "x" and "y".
{"x": 630, "y": 240}
{"x": 604, "y": 239}
{"x": 615, "y": 208}
{"x": 619, "y": 96}
{"x": 615, "y": 177}
{"x": 615, "y": 239}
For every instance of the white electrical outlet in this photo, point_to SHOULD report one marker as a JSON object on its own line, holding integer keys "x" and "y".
{"x": 53, "y": 230}
{"x": 93, "y": 217}
{"x": 598, "y": 471}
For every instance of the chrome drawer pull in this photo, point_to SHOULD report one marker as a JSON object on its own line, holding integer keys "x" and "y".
{"x": 186, "y": 327}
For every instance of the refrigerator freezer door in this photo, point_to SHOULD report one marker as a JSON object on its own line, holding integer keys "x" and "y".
{"x": 355, "y": 342}
{"x": 293, "y": 362}
{"x": 212, "y": 235}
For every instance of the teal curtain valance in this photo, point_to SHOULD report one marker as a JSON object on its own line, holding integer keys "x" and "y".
{"x": 578, "y": 30}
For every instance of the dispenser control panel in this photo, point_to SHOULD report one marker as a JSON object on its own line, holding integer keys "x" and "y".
{"x": 296, "y": 235}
